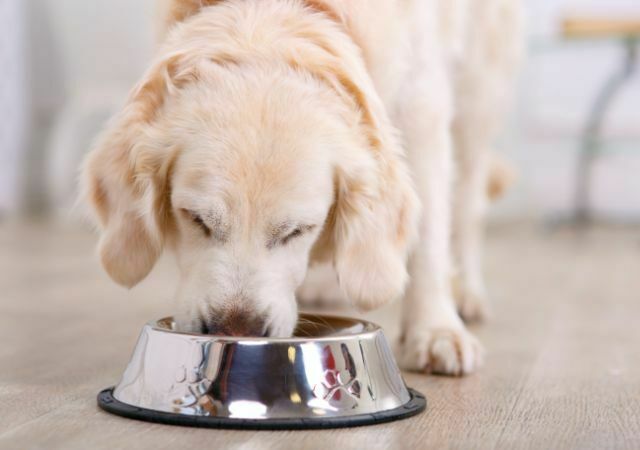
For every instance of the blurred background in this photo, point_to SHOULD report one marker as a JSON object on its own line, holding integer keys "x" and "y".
{"x": 66, "y": 65}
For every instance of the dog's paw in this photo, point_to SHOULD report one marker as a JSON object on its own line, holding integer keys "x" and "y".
{"x": 446, "y": 351}
{"x": 471, "y": 303}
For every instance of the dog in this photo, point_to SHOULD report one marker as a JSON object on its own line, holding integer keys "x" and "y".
{"x": 270, "y": 136}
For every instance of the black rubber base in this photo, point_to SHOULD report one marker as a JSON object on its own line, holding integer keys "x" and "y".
{"x": 415, "y": 405}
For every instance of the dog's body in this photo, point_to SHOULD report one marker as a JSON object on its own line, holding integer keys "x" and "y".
{"x": 264, "y": 138}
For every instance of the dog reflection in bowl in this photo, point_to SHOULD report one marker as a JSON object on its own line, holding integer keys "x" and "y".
{"x": 268, "y": 136}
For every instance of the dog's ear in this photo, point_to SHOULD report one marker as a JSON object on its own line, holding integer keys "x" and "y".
{"x": 374, "y": 224}
{"x": 125, "y": 178}
{"x": 374, "y": 220}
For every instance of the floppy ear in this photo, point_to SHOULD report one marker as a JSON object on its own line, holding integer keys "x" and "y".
{"x": 374, "y": 220}
{"x": 125, "y": 180}
{"x": 374, "y": 223}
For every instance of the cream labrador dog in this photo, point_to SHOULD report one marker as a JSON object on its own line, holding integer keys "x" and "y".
{"x": 270, "y": 135}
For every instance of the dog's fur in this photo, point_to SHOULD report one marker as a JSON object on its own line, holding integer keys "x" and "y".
{"x": 269, "y": 135}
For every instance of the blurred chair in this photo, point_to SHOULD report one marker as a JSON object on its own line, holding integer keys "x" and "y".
{"x": 627, "y": 32}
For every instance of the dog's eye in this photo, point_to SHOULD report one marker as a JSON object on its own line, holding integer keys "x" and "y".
{"x": 296, "y": 232}
{"x": 197, "y": 220}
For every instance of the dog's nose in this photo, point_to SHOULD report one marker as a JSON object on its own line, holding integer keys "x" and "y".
{"x": 235, "y": 322}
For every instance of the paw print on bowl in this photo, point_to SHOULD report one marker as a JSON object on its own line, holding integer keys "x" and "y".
{"x": 188, "y": 388}
{"x": 339, "y": 388}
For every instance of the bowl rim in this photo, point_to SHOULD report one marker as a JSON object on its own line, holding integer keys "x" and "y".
{"x": 370, "y": 330}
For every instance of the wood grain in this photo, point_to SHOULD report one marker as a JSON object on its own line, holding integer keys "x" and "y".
{"x": 563, "y": 368}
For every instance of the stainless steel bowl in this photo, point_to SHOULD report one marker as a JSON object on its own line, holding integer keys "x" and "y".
{"x": 334, "y": 372}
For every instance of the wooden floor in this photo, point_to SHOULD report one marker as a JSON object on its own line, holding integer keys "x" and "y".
{"x": 563, "y": 366}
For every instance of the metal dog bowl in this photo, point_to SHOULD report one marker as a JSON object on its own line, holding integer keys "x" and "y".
{"x": 334, "y": 372}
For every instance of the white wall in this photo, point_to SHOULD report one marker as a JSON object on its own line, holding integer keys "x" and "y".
{"x": 90, "y": 44}
{"x": 13, "y": 100}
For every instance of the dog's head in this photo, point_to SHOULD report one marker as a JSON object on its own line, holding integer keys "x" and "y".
{"x": 246, "y": 172}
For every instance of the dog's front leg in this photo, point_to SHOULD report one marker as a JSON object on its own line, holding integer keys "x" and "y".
{"x": 471, "y": 144}
{"x": 433, "y": 338}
